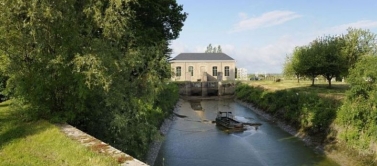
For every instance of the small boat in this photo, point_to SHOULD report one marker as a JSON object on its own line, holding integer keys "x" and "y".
{"x": 225, "y": 119}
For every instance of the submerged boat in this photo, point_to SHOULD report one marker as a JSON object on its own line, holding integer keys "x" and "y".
{"x": 226, "y": 120}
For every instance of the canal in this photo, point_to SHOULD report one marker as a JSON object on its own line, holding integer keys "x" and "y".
{"x": 194, "y": 140}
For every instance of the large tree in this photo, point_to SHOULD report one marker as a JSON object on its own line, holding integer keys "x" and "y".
{"x": 97, "y": 64}
{"x": 334, "y": 63}
{"x": 308, "y": 61}
{"x": 331, "y": 56}
{"x": 359, "y": 42}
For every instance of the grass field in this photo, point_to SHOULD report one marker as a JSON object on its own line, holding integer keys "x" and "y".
{"x": 41, "y": 143}
{"x": 337, "y": 90}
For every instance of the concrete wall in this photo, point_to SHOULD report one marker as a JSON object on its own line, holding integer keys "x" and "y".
{"x": 206, "y": 88}
{"x": 99, "y": 146}
{"x": 203, "y": 69}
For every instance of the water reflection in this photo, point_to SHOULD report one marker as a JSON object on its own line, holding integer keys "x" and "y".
{"x": 195, "y": 141}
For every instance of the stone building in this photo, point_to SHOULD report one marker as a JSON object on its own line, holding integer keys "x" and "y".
{"x": 203, "y": 67}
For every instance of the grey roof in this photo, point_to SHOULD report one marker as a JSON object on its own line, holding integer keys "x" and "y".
{"x": 202, "y": 56}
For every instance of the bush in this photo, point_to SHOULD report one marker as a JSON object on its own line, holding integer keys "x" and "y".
{"x": 358, "y": 114}
{"x": 302, "y": 110}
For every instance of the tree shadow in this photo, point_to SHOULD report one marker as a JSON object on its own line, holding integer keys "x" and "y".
{"x": 4, "y": 105}
{"x": 12, "y": 128}
{"x": 324, "y": 88}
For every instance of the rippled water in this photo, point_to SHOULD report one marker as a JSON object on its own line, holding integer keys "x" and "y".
{"x": 195, "y": 141}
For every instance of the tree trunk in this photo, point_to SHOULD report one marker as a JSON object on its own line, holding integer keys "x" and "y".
{"x": 329, "y": 80}
{"x": 298, "y": 78}
{"x": 313, "y": 81}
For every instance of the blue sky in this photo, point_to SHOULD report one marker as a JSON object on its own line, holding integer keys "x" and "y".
{"x": 259, "y": 34}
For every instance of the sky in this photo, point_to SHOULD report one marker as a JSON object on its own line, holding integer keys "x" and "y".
{"x": 260, "y": 34}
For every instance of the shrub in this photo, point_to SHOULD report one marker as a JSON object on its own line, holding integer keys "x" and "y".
{"x": 358, "y": 114}
{"x": 301, "y": 109}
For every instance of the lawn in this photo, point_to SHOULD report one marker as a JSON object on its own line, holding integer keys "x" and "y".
{"x": 337, "y": 90}
{"x": 41, "y": 143}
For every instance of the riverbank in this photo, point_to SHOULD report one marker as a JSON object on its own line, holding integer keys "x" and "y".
{"x": 193, "y": 141}
{"x": 291, "y": 130}
{"x": 334, "y": 151}
{"x": 155, "y": 146}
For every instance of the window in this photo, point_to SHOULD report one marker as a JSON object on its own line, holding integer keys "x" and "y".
{"x": 178, "y": 71}
{"x": 191, "y": 70}
{"x": 214, "y": 71}
{"x": 226, "y": 70}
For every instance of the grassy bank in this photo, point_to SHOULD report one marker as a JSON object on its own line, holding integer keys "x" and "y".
{"x": 312, "y": 110}
{"x": 309, "y": 109}
{"x": 40, "y": 143}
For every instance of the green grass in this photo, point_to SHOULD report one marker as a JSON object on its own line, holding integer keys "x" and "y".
{"x": 337, "y": 91}
{"x": 41, "y": 143}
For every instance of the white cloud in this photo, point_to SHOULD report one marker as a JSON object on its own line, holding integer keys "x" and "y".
{"x": 178, "y": 47}
{"x": 242, "y": 15}
{"x": 269, "y": 58}
{"x": 265, "y": 20}
{"x": 363, "y": 24}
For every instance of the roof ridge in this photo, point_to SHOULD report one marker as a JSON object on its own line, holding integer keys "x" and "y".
{"x": 202, "y": 56}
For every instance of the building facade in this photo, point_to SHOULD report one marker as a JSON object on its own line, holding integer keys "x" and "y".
{"x": 242, "y": 74}
{"x": 203, "y": 67}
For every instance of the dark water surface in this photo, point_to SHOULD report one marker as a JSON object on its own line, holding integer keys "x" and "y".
{"x": 194, "y": 142}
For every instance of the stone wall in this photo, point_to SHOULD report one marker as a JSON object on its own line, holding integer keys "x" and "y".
{"x": 99, "y": 146}
{"x": 206, "y": 88}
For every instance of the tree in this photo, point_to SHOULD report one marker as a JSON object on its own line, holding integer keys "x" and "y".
{"x": 306, "y": 61}
{"x": 359, "y": 42}
{"x": 331, "y": 56}
{"x": 99, "y": 65}
{"x": 219, "y": 50}
{"x": 211, "y": 49}
{"x": 323, "y": 56}
{"x": 334, "y": 62}
{"x": 288, "y": 69}
{"x": 214, "y": 50}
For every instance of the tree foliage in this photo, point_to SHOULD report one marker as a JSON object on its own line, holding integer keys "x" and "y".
{"x": 358, "y": 113}
{"x": 331, "y": 56}
{"x": 334, "y": 63}
{"x": 305, "y": 62}
{"x": 211, "y": 49}
{"x": 359, "y": 42}
{"x": 98, "y": 64}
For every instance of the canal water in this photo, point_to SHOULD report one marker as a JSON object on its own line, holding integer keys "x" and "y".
{"x": 196, "y": 141}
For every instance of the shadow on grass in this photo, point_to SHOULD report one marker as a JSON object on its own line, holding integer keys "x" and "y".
{"x": 12, "y": 128}
{"x": 4, "y": 105}
{"x": 337, "y": 91}
{"x": 324, "y": 88}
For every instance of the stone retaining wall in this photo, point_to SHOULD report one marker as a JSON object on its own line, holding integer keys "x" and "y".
{"x": 99, "y": 146}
